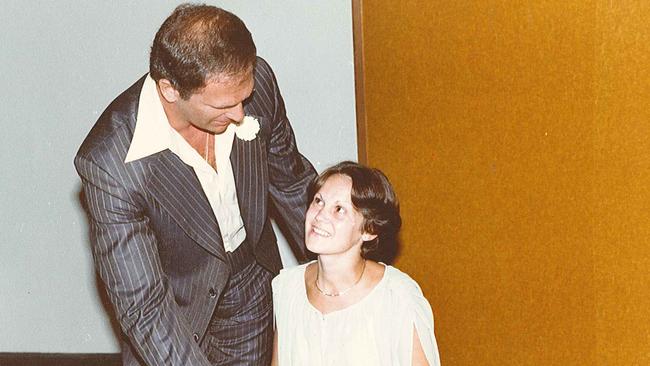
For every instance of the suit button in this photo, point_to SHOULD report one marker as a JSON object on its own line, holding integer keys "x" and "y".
{"x": 212, "y": 293}
{"x": 196, "y": 337}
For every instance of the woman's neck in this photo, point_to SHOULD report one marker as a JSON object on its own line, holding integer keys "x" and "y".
{"x": 336, "y": 274}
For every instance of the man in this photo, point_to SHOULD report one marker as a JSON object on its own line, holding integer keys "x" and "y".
{"x": 177, "y": 175}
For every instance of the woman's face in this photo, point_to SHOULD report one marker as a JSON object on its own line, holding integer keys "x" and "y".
{"x": 333, "y": 225}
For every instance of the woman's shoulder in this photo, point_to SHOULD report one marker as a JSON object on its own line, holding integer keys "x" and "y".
{"x": 293, "y": 270}
{"x": 290, "y": 275}
{"x": 408, "y": 300}
{"x": 405, "y": 297}
{"x": 402, "y": 289}
{"x": 398, "y": 280}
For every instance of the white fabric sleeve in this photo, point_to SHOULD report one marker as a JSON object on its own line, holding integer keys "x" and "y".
{"x": 416, "y": 313}
{"x": 423, "y": 321}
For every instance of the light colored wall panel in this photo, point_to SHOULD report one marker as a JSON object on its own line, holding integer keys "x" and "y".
{"x": 62, "y": 63}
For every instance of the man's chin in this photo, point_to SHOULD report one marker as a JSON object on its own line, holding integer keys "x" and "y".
{"x": 219, "y": 128}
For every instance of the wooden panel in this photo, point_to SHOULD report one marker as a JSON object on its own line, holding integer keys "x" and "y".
{"x": 516, "y": 134}
{"x": 60, "y": 359}
{"x": 359, "y": 81}
{"x": 622, "y": 189}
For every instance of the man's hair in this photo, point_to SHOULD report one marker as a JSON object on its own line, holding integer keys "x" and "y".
{"x": 197, "y": 43}
{"x": 373, "y": 196}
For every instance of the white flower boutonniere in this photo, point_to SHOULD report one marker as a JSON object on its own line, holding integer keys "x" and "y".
{"x": 248, "y": 128}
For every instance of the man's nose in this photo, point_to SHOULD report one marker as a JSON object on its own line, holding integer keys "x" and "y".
{"x": 236, "y": 113}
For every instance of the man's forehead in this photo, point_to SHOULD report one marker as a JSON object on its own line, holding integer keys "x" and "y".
{"x": 233, "y": 79}
{"x": 227, "y": 89}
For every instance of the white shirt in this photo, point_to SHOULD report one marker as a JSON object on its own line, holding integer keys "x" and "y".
{"x": 153, "y": 133}
{"x": 377, "y": 330}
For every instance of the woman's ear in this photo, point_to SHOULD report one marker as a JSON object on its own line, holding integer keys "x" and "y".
{"x": 367, "y": 236}
{"x": 168, "y": 91}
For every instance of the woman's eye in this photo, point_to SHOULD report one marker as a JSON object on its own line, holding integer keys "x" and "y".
{"x": 340, "y": 210}
{"x": 318, "y": 201}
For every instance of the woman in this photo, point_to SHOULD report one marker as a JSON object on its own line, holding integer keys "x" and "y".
{"x": 344, "y": 309}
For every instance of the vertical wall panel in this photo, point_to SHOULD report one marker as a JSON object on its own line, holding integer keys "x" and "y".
{"x": 516, "y": 136}
{"x": 622, "y": 195}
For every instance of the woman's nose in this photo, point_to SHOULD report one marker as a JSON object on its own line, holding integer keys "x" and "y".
{"x": 320, "y": 214}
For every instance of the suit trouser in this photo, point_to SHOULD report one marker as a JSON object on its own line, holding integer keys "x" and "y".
{"x": 241, "y": 329}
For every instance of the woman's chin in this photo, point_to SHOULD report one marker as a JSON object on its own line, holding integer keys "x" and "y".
{"x": 312, "y": 248}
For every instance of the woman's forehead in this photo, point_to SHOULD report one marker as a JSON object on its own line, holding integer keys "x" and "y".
{"x": 337, "y": 186}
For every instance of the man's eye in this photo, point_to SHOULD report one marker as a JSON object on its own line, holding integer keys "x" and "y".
{"x": 318, "y": 201}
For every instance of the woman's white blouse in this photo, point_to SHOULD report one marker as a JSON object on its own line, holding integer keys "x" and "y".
{"x": 378, "y": 330}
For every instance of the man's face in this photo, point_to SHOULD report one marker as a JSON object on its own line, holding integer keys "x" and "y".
{"x": 219, "y": 104}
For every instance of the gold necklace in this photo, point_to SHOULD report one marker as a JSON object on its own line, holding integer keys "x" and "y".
{"x": 340, "y": 293}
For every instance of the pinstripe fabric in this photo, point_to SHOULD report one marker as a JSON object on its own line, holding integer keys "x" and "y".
{"x": 227, "y": 331}
{"x": 155, "y": 241}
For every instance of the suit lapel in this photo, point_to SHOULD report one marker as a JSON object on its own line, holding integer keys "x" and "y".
{"x": 251, "y": 177}
{"x": 175, "y": 186}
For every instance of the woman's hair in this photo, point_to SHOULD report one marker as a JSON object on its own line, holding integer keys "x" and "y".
{"x": 199, "y": 42}
{"x": 373, "y": 196}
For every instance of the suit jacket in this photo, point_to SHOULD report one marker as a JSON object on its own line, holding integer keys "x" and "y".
{"x": 155, "y": 240}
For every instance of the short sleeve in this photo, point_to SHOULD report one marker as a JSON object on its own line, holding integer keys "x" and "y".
{"x": 277, "y": 285}
{"x": 423, "y": 321}
{"x": 417, "y": 313}
{"x": 290, "y": 315}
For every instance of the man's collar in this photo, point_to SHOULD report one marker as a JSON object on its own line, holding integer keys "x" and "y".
{"x": 152, "y": 129}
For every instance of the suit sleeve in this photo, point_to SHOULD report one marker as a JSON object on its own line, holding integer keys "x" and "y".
{"x": 290, "y": 173}
{"x": 126, "y": 258}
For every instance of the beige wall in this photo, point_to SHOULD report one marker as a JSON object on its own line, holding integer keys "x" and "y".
{"x": 517, "y": 136}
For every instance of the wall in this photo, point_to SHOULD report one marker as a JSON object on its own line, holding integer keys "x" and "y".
{"x": 516, "y": 134}
{"x": 62, "y": 63}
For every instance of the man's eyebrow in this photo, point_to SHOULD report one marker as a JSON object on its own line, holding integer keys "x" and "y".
{"x": 220, "y": 107}
{"x": 230, "y": 106}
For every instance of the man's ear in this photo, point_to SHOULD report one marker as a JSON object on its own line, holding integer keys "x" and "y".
{"x": 368, "y": 237}
{"x": 168, "y": 91}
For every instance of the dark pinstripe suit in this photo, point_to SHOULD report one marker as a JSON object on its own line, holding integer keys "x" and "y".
{"x": 155, "y": 240}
